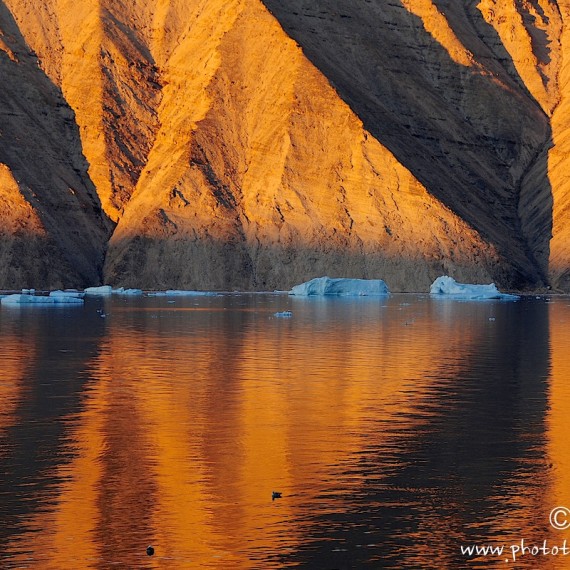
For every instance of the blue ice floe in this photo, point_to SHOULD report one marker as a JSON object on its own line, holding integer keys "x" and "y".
{"x": 107, "y": 290}
{"x": 127, "y": 292}
{"x": 26, "y": 299}
{"x": 447, "y": 287}
{"x": 325, "y": 286}
{"x": 67, "y": 293}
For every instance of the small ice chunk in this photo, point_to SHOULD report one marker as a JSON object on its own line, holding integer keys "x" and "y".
{"x": 447, "y": 287}
{"x": 341, "y": 287}
{"x": 102, "y": 291}
{"x": 25, "y": 299}
{"x": 283, "y": 314}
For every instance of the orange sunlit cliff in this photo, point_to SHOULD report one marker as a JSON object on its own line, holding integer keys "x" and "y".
{"x": 252, "y": 145}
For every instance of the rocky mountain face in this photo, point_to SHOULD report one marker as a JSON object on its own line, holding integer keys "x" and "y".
{"x": 52, "y": 229}
{"x": 252, "y": 145}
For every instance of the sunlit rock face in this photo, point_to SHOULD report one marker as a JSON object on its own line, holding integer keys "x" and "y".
{"x": 254, "y": 145}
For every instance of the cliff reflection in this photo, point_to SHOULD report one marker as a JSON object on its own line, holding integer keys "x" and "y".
{"x": 460, "y": 460}
{"x": 43, "y": 361}
{"x": 391, "y": 429}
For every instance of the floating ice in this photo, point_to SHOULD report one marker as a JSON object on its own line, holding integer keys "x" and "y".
{"x": 447, "y": 287}
{"x": 129, "y": 292}
{"x": 283, "y": 314}
{"x": 102, "y": 291}
{"x": 341, "y": 287}
{"x": 59, "y": 293}
{"x": 25, "y": 299}
{"x": 178, "y": 293}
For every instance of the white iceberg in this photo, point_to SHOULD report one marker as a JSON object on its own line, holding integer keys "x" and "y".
{"x": 179, "y": 293}
{"x": 341, "y": 287}
{"x": 25, "y": 299}
{"x": 102, "y": 291}
{"x": 128, "y": 292}
{"x": 59, "y": 293}
{"x": 449, "y": 288}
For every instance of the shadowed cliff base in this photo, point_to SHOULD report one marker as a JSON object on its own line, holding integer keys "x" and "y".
{"x": 210, "y": 264}
{"x": 461, "y": 120}
{"x": 30, "y": 260}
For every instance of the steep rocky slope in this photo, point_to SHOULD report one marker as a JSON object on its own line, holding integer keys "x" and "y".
{"x": 241, "y": 144}
{"x": 271, "y": 178}
{"x": 53, "y": 232}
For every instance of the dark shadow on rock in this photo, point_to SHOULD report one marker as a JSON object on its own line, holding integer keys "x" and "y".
{"x": 41, "y": 145}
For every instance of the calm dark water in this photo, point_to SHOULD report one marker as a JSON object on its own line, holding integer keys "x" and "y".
{"x": 397, "y": 430}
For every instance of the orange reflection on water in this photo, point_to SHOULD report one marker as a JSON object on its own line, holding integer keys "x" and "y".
{"x": 15, "y": 355}
{"x": 183, "y": 438}
{"x": 382, "y": 370}
{"x": 559, "y": 412}
{"x": 188, "y": 425}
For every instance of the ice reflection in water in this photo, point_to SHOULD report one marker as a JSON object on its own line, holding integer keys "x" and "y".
{"x": 397, "y": 430}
